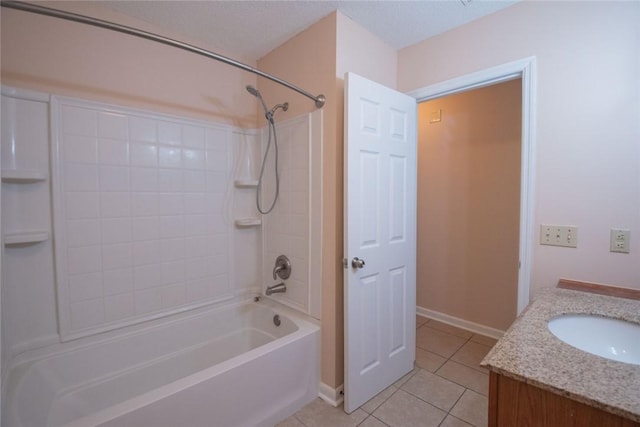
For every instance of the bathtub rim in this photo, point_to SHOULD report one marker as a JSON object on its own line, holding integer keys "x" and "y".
{"x": 60, "y": 347}
{"x": 21, "y": 364}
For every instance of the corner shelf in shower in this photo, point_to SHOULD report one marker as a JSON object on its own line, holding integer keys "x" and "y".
{"x": 25, "y": 237}
{"x": 22, "y": 176}
{"x": 248, "y": 222}
{"x": 246, "y": 183}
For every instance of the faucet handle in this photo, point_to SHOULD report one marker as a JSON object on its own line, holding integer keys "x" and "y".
{"x": 282, "y": 268}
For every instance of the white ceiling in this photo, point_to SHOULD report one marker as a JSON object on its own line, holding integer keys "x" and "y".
{"x": 251, "y": 29}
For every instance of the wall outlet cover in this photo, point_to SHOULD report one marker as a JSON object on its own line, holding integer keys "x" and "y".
{"x": 619, "y": 240}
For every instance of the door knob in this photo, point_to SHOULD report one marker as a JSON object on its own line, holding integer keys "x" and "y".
{"x": 357, "y": 263}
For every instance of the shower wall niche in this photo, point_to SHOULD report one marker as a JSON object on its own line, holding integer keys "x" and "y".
{"x": 143, "y": 219}
{"x": 28, "y": 291}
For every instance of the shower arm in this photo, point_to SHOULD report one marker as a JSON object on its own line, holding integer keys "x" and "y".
{"x": 56, "y": 13}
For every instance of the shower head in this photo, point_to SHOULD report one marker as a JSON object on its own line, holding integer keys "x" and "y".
{"x": 267, "y": 113}
{"x": 253, "y": 91}
{"x": 284, "y": 107}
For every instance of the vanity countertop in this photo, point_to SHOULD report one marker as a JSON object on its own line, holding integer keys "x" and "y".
{"x": 529, "y": 352}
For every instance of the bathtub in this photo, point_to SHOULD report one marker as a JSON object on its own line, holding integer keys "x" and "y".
{"x": 228, "y": 366}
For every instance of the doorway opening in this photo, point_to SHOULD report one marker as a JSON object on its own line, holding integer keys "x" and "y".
{"x": 469, "y": 204}
{"x": 460, "y": 251}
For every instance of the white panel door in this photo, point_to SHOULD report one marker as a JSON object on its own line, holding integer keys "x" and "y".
{"x": 380, "y": 230}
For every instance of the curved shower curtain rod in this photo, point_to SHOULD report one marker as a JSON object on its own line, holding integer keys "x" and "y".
{"x": 42, "y": 10}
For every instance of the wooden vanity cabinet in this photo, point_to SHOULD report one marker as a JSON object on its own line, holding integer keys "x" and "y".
{"x": 513, "y": 403}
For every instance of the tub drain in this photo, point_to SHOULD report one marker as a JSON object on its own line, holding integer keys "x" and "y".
{"x": 276, "y": 320}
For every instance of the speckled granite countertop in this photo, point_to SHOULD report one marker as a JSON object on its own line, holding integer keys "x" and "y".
{"x": 529, "y": 352}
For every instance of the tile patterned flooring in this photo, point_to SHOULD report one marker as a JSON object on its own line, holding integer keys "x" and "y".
{"x": 447, "y": 387}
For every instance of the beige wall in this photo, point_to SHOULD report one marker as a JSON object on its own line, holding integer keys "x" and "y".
{"x": 469, "y": 204}
{"x": 317, "y": 59}
{"x": 363, "y": 53}
{"x": 588, "y": 63}
{"x": 309, "y": 60}
{"x": 587, "y": 156}
{"x": 79, "y": 60}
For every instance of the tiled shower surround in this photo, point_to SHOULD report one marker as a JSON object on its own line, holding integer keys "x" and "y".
{"x": 286, "y": 230}
{"x": 144, "y": 207}
{"x": 141, "y": 220}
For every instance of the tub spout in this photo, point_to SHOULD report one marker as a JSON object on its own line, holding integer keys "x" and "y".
{"x": 276, "y": 289}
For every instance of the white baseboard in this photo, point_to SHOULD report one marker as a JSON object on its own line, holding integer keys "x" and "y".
{"x": 333, "y": 396}
{"x": 460, "y": 323}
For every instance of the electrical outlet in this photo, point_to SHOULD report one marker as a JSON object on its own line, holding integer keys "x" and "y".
{"x": 559, "y": 235}
{"x": 619, "y": 241}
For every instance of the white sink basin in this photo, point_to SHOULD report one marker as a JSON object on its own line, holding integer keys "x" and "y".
{"x": 603, "y": 336}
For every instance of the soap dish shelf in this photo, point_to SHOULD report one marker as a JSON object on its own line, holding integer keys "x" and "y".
{"x": 25, "y": 237}
{"x": 245, "y": 183}
{"x": 22, "y": 176}
{"x": 248, "y": 222}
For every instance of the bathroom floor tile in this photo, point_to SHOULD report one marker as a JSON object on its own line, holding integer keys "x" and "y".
{"x": 439, "y": 342}
{"x": 434, "y": 389}
{"x": 444, "y": 327}
{"x": 465, "y": 376}
{"x": 404, "y": 379}
{"x": 420, "y": 320}
{"x": 320, "y": 414}
{"x": 404, "y": 409}
{"x": 472, "y": 408}
{"x": 471, "y": 354}
{"x": 452, "y": 421}
{"x": 373, "y": 404}
{"x": 372, "y": 421}
{"x": 292, "y": 421}
{"x": 484, "y": 340}
{"x": 428, "y": 361}
{"x": 447, "y": 377}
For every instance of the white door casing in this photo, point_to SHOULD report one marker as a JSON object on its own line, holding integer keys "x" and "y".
{"x": 380, "y": 194}
{"x": 524, "y": 69}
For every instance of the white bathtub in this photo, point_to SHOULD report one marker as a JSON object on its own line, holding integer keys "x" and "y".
{"x": 229, "y": 366}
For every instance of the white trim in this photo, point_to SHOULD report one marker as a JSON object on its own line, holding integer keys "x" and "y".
{"x": 316, "y": 119}
{"x": 525, "y": 69}
{"x": 333, "y": 396}
{"x": 476, "y": 328}
{"x": 27, "y": 94}
{"x": 478, "y": 79}
{"x": 2, "y": 344}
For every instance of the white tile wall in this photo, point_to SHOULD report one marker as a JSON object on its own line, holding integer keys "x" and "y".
{"x": 101, "y": 293}
{"x": 140, "y": 216}
{"x": 286, "y": 228}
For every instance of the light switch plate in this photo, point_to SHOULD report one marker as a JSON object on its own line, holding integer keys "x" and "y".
{"x": 559, "y": 235}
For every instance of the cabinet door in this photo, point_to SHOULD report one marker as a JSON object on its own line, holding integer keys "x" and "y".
{"x": 513, "y": 403}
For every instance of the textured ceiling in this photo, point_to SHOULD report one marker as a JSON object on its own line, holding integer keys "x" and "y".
{"x": 251, "y": 29}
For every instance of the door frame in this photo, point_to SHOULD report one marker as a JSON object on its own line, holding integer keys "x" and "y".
{"x": 525, "y": 69}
